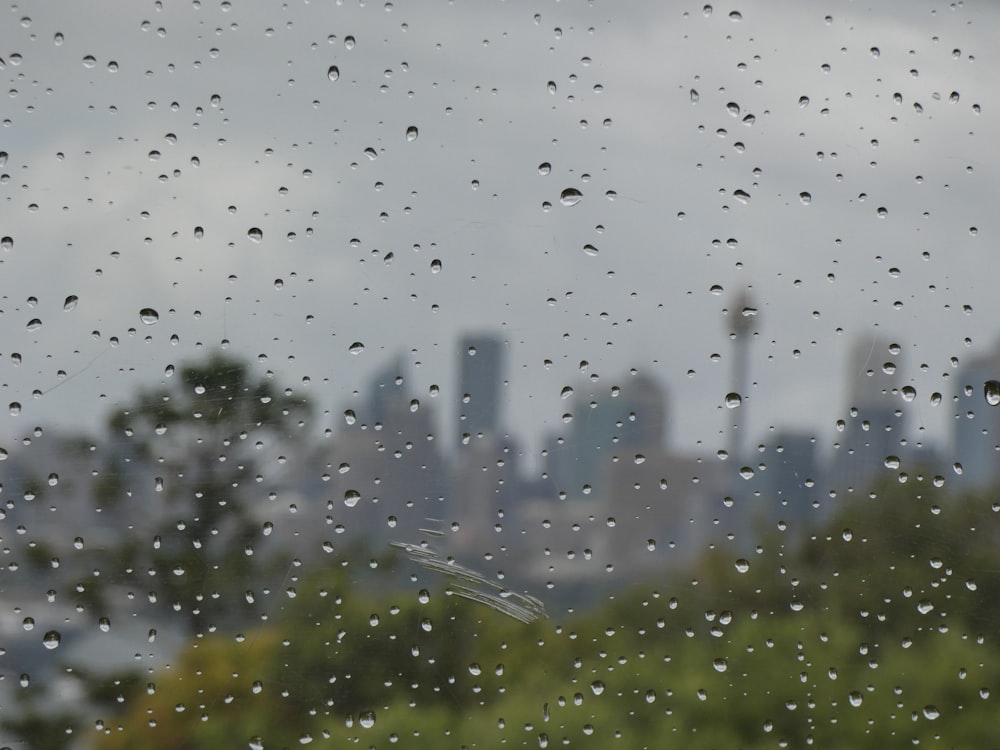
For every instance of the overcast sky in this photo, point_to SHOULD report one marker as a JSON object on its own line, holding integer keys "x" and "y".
{"x": 834, "y": 157}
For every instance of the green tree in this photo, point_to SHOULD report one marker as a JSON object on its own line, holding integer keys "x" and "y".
{"x": 195, "y": 455}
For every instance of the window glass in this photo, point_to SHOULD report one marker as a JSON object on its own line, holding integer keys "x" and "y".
{"x": 481, "y": 374}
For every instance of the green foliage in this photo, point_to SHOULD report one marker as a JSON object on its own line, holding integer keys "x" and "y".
{"x": 823, "y": 644}
{"x": 198, "y": 448}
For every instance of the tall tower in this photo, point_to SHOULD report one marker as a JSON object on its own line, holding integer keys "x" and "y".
{"x": 480, "y": 382}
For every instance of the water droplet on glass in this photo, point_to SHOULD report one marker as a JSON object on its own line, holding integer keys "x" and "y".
{"x": 566, "y": 392}
{"x": 255, "y": 234}
{"x": 436, "y": 265}
{"x": 104, "y": 624}
{"x": 544, "y": 168}
{"x": 590, "y": 249}
{"x": 742, "y": 565}
{"x": 333, "y": 73}
{"x": 806, "y": 198}
{"x": 356, "y": 348}
{"x": 597, "y": 687}
{"x": 256, "y": 743}
{"x": 89, "y": 61}
{"x": 7, "y": 244}
{"x": 742, "y": 196}
{"x": 931, "y": 712}
{"x": 992, "y": 391}
{"x": 720, "y": 664}
{"x": 551, "y": 87}
{"x": 855, "y": 698}
{"x": 371, "y": 153}
{"x": 51, "y": 639}
{"x": 34, "y": 324}
{"x": 366, "y": 719}
{"x": 570, "y": 197}
{"x": 70, "y": 302}
{"x": 351, "y": 498}
{"x": 733, "y": 108}
{"x": 149, "y": 316}
{"x": 735, "y": 15}
{"x": 908, "y": 392}
{"x": 412, "y": 133}
{"x": 733, "y": 400}
{"x": 924, "y": 606}
{"x": 15, "y": 408}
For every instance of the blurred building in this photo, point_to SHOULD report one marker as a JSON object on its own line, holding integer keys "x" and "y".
{"x": 480, "y": 382}
{"x": 872, "y": 438}
{"x": 977, "y": 422}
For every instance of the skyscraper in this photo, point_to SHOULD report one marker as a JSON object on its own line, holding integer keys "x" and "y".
{"x": 977, "y": 422}
{"x": 874, "y": 426}
{"x": 480, "y": 382}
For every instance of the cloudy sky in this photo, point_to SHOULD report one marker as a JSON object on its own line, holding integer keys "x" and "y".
{"x": 295, "y": 179}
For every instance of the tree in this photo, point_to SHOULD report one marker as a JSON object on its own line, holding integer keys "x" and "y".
{"x": 194, "y": 455}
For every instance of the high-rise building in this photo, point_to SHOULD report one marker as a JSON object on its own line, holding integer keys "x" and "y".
{"x": 480, "y": 383}
{"x": 874, "y": 426}
{"x": 977, "y": 422}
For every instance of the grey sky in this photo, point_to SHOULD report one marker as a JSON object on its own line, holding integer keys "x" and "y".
{"x": 472, "y": 77}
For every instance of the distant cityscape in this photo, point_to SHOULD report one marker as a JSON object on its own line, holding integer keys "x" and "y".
{"x": 609, "y": 502}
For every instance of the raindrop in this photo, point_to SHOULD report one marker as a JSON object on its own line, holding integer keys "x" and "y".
{"x": 742, "y": 196}
{"x": 411, "y": 133}
{"x": 570, "y": 197}
{"x": 597, "y": 686}
{"x": 891, "y": 462}
{"x": 720, "y": 664}
{"x": 566, "y": 392}
{"x": 351, "y": 498}
{"x": 51, "y": 639}
{"x": 908, "y": 392}
{"x": 992, "y": 391}
{"x": 34, "y": 324}
{"x": 255, "y": 234}
{"x": 694, "y": 96}
{"x": 803, "y": 101}
{"x": 436, "y": 265}
{"x": 333, "y": 73}
{"x": 89, "y": 61}
{"x": 366, "y": 719}
{"x": 544, "y": 168}
{"x": 855, "y": 698}
{"x": 15, "y": 408}
{"x": 149, "y": 316}
{"x": 7, "y": 244}
{"x": 924, "y": 606}
{"x": 733, "y": 400}
{"x": 742, "y": 565}
{"x": 104, "y": 624}
{"x": 931, "y": 712}
{"x": 356, "y": 348}
{"x": 590, "y": 249}
{"x": 806, "y": 198}
{"x": 70, "y": 302}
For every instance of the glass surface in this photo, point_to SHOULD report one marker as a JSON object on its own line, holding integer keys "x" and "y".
{"x": 480, "y": 374}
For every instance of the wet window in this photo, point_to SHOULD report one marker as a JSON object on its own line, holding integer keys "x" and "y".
{"x": 479, "y": 375}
